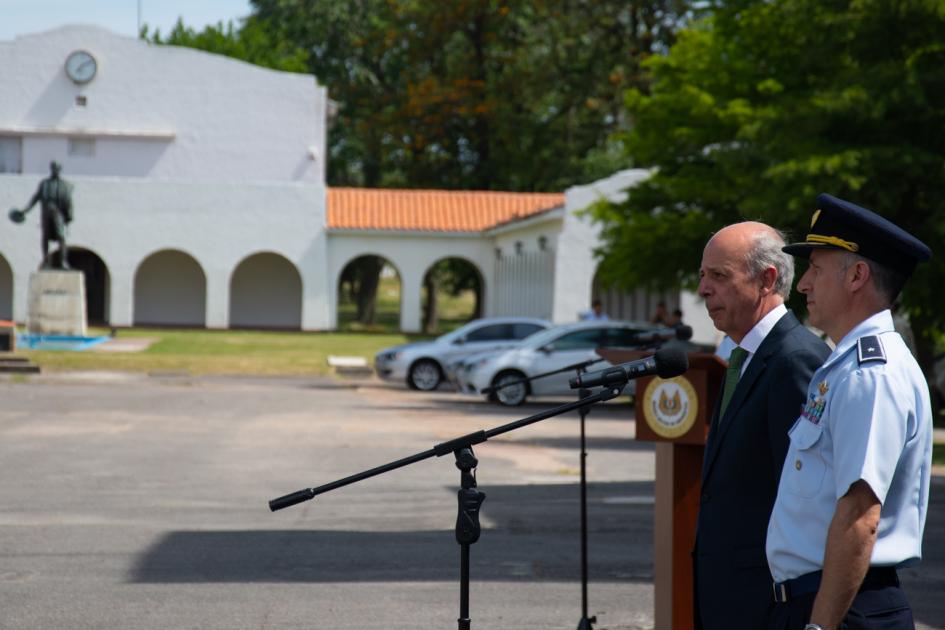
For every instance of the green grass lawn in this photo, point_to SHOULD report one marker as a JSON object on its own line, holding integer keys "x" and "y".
{"x": 257, "y": 352}
{"x": 221, "y": 352}
{"x": 453, "y": 311}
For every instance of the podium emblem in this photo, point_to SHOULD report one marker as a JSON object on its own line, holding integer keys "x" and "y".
{"x": 670, "y": 406}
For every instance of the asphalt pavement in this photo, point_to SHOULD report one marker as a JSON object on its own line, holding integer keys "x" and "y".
{"x": 139, "y": 502}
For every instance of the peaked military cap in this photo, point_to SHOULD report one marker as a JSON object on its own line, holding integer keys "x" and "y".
{"x": 839, "y": 224}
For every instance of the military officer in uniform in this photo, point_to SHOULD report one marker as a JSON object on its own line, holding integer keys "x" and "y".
{"x": 854, "y": 490}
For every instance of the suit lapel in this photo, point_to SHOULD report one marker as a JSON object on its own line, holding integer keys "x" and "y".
{"x": 756, "y": 367}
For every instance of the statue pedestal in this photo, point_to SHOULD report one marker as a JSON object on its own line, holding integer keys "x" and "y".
{"x": 56, "y": 303}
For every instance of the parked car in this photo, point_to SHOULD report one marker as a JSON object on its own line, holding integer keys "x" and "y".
{"x": 543, "y": 352}
{"x": 422, "y": 364}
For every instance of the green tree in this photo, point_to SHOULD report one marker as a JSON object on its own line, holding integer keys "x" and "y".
{"x": 252, "y": 42}
{"x": 485, "y": 94}
{"x": 763, "y": 105}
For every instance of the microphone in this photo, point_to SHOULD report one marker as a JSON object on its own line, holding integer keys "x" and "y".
{"x": 682, "y": 333}
{"x": 666, "y": 363}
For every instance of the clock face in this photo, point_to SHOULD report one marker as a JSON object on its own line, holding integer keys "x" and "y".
{"x": 81, "y": 66}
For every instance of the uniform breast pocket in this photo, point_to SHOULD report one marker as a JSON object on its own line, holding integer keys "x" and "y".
{"x": 805, "y": 466}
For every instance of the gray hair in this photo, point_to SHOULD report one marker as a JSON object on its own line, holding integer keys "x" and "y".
{"x": 765, "y": 251}
{"x": 888, "y": 283}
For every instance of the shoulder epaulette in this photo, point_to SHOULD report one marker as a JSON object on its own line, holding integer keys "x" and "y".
{"x": 870, "y": 348}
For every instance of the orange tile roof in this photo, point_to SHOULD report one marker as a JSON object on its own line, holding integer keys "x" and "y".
{"x": 432, "y": 210}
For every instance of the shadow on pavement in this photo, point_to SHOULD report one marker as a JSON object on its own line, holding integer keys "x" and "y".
{"x": 535, "y": 537}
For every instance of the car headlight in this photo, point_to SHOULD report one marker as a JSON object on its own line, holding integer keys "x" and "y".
{"x": 390, "y": 356}
{"x": 475, "y": 365}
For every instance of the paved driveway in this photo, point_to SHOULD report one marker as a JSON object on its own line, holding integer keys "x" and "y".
{"x": 136, "y": 502}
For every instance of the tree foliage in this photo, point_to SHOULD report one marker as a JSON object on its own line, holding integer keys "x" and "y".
{"x": 475, "y": 94}
{"x": 251, "y": 42}
{"x": 764, "y": 104}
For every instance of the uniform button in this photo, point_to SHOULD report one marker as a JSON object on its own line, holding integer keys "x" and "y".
{"x": 798, "y": 465}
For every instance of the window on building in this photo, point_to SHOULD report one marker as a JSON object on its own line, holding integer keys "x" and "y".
{"x": 11, "y": 154}
{"x": 82, "y": 147}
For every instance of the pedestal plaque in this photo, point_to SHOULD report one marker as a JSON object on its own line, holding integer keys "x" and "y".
{"x": 56, "y": 303}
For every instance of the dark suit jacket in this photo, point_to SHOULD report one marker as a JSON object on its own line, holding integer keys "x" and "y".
{"x": 740, "y": 474}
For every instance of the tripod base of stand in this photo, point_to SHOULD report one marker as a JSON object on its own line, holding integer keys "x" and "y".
{"x": 585, "y": 624}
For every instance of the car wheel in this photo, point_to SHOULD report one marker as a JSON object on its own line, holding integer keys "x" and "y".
{"x": 513, "y": 395}
{"x": 424, "y": 375}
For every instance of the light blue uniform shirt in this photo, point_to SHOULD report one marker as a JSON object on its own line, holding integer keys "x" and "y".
{"x": 865, "y": 418}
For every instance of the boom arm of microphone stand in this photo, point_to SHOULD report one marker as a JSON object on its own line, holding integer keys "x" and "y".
{"x": 576, "y": 366}
{"x": 441, "y": 449}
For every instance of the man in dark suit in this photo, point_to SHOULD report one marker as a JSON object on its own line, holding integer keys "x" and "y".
{"x": 745, "y": 279}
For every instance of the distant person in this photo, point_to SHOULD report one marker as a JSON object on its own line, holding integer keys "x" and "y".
{"x": 660, "y": 316}
{"x": 596, "y": 313}
{"x": 675, "y": 319}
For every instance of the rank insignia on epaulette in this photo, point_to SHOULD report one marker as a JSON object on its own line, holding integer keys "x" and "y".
{"x": 869, "y": 348}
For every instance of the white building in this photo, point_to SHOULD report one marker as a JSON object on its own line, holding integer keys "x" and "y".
{"x": 200, "y": 197}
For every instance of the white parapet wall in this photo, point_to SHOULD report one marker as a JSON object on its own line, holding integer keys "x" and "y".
{"x": 153, "y": 111}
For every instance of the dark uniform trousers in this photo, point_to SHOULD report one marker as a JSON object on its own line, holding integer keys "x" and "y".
{"x": 879, "y": 605}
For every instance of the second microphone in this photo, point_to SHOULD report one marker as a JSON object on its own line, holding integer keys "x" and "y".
{"x": 666, "y": 363}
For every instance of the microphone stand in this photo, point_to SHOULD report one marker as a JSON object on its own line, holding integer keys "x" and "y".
{"x": 583, "y": 365}
{"x": 586, "y": 623}
{"x": 469, "y": 499}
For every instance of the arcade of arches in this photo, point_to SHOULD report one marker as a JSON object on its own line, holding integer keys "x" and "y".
{"x": 170, "y": 289}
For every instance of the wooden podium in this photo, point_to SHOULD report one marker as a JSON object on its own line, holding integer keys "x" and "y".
{"x": 675, "y": 413}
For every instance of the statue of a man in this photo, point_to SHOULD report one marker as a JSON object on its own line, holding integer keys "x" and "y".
{"x": 55, "y": 197}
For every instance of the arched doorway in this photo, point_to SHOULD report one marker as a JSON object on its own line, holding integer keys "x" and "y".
{"x": 452, "y": 294}
{"x": 170, "y": 289}
{"x": 97, "y": 282}
{"x": 266, "y": 292}
{"x": 6, "y": 289}
{"x": 369, "y": 293}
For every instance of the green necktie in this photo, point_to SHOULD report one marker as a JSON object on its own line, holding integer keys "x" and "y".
{"x": 735, "y": 362}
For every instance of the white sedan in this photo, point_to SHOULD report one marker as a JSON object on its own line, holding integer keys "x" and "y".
{"x": 422, "y": 364}
{"x": 543, "y": 352}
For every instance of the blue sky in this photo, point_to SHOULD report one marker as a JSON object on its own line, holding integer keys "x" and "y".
{"x": 19, "y": 17}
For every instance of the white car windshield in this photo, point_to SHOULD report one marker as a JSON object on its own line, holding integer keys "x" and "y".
{"x": 456, "y": 334}
{"x": 543, "y": 337}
